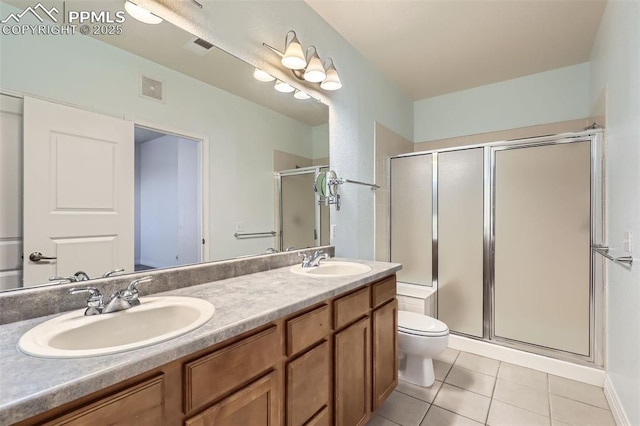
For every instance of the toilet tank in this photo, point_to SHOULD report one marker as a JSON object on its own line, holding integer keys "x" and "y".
{"x": 416, "y": 298}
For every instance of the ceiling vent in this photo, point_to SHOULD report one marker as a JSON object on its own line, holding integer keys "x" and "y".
{"x": 151, "y": 88}
{"x": 198, "y": 46}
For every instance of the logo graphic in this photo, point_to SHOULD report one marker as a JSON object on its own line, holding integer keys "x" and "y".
{"x": 34, "y": 11}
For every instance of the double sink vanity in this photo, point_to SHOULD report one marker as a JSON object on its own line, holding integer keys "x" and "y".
{"x": 258, "y": 341}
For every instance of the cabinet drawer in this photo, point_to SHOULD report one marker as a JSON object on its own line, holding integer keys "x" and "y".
{"x": 256, "y": 404}
{"x": 307, "y": 329}
{"x": 308, "y": 384}
{"x": 351, "y": 307}
{"x": 213, "y": 375}
{"x": 383, "y": 291}
{"x": 141, "y": 404}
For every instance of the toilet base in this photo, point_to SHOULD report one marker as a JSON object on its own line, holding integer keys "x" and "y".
{"x": 418, "y": 371}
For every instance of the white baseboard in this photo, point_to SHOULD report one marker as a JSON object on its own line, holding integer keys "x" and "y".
{"x": 619, "y": 415}
{"x": 581, "y": 373}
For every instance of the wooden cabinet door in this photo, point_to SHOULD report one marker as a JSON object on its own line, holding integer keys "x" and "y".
{"x": 352, "y": 392}
{"x": 141, "y": 404}
{"x": 385, "y": 352}
{"x": 308, "y": 382}
{"x": 255, "y": 405}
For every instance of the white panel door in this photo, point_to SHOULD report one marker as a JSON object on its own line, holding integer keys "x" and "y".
{"x": 10, "y": 192}
{"x": 78, "y": 191}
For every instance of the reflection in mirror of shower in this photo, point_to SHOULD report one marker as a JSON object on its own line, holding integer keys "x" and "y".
{"x": 168, "y": 230}
{"x": 304, "y": 223}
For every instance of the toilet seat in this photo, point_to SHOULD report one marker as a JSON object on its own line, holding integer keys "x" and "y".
{"x": 421, "y": 325}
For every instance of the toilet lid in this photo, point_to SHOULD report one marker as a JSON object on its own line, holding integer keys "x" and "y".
{"x": 421, "y": 325}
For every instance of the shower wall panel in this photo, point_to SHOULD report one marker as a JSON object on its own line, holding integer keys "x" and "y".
{"x": 411, "y": 217}
{"x": 461, "y": 240}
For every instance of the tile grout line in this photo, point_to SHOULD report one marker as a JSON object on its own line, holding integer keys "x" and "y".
{"x": 493, "y": 392}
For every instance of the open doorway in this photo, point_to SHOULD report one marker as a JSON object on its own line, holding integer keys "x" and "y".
{"x": 168, "y": 199}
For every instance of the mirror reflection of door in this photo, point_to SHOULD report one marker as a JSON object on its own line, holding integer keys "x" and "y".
{"x": 168, "y": 220}
{"x": 78, "y": 191}
{"x": 303, "y": 222}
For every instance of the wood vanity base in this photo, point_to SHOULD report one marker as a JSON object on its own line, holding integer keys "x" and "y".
{"x": 331, "y": 364}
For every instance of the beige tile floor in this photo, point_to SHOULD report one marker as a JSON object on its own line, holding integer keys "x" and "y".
{"x": 473, "y": 390}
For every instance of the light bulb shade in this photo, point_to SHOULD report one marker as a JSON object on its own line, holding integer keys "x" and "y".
{"x": 301, "y": 95}
{"x": 314, "y": 72}
{"x": 332, "y": 82}
{"x": 293, "y": 57}
{"x": 283, "y": 87}
{"x": 260, "y": 75}
{"x": 140, "y": 13}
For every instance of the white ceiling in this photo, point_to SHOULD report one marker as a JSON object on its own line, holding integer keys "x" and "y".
{"x": 433, "y": 47}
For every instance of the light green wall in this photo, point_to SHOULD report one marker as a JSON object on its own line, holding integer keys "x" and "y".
{"x": 367, "y": 96}
{"x": 615, "y": 73}
{"x": 548, "y": 97}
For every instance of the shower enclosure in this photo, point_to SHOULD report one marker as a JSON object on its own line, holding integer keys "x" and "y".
{"x": 504, "y": 232}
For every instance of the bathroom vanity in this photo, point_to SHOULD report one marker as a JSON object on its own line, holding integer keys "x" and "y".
{"x": 281, "y": 349}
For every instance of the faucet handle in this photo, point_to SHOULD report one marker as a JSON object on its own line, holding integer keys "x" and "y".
{"x": 305, "y": 257}
{"x": 133, "y": 286}
{"x": 94, "y": 302}
{"x": 93, "y": 292}
{"x": 111, "y": 272}
{"x": 63, "y": 279}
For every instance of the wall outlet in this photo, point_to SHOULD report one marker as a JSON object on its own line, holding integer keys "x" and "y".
{"x": 627, "y": 242}
{"x": 240, "y": 227}
{"x": 332, "y": 232}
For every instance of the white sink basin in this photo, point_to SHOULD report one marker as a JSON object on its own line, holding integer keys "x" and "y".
{"x": 332, "y": 269}
{"x": 155, "y": 320}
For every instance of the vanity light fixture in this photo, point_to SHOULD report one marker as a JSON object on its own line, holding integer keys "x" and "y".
{"x": 293, "y": 57}
{"x": 332, "y": 82}
{"x": 307, "y": 67}
{"x": 299, "y": 94}
{"x": 141, "y": 14}
{"x": 283, "y": 87}
{"x": 260, "y": 75}
{"x": 314, "y": 72}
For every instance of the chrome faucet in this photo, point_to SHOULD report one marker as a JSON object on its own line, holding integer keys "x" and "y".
{"x": 77, "y": 277}
{"x": 119, "y": 301}
{"x": 311, "y": 261}
{"x": 81, "y": 276}
{"x": 271, "y": 250}
{"x": 126, "y": 298}
{"x": 94, "y": 302}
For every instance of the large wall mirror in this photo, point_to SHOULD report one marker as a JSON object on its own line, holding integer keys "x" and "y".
{"x": 170, "y": 139}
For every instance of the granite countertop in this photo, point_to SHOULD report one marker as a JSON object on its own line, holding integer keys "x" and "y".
{"x": 30, "y": 385}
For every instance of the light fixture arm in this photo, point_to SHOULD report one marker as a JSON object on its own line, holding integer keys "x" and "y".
{"x": 286, "y": 37}
{"x": 315, "y": 51}
{"x": 273, "y": 49}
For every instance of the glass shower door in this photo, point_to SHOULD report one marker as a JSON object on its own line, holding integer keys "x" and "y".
{"x": 542, "y": 231}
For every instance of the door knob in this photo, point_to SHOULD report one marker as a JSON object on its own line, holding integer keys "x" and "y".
{"x": 36, "y": 256}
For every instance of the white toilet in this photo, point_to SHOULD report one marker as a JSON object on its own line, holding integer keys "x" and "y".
{"x": 420, "y": 338}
